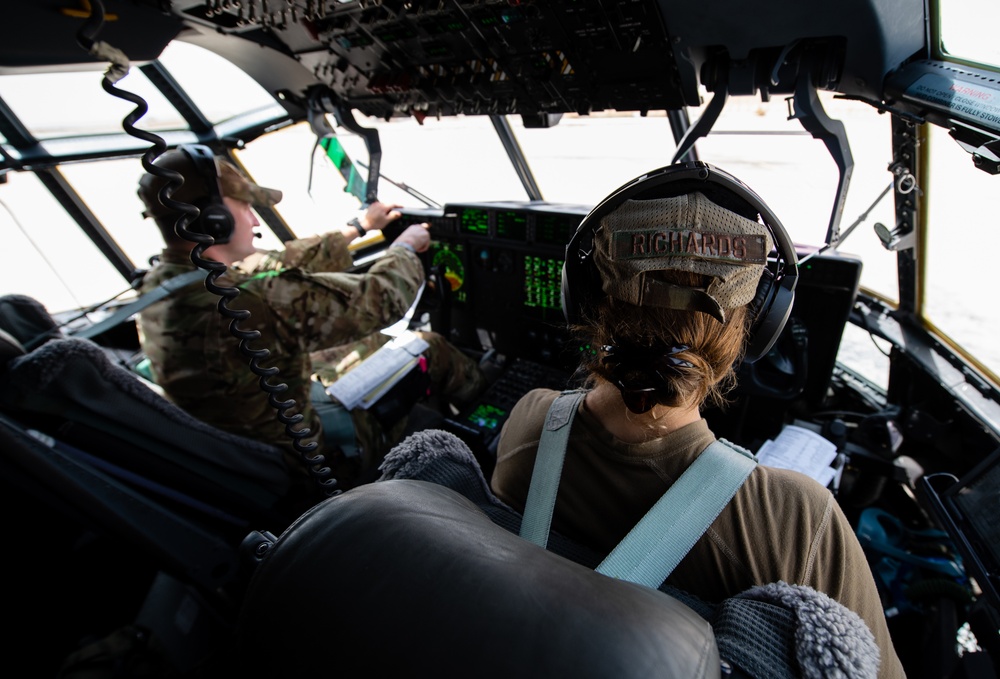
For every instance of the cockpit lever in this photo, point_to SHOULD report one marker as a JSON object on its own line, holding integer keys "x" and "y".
{"x": 704, "y": 124}
{"x": 808, "y": 110}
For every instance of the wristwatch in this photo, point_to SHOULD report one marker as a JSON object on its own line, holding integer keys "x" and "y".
{"x": 356, "y": 223}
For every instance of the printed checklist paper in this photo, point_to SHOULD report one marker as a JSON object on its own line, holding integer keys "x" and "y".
{"x": 363, "y": 385}
{"x": 800, "y": 450}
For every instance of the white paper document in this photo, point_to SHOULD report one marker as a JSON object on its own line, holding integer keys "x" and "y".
{"x": 403, "y": 324}
{"x": 363, "y": 385}
{"x": 800, "y": 450}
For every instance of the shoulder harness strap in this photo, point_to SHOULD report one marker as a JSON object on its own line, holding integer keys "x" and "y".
{"x": 541, "y": 499}
{"x": 164, "y": 289}
{"x": 668, "y": 531}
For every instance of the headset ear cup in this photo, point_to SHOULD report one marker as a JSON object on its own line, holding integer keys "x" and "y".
{"x": 771, "y": 307}
{"x": 581, "y": 288}
{"x": 566, "y": 298}
{"x": 759, "y": 303}
{"x": 214, "y": 220}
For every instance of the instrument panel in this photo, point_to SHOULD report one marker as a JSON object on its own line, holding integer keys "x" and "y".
{"x": 497, "y": 269}
{"x": 501, "y": 265}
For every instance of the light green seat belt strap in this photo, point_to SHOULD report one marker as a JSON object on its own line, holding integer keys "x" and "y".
{"x": 541, "y": 500}
{"x": 155, "y": 295}
{"x": 668, "y": 531}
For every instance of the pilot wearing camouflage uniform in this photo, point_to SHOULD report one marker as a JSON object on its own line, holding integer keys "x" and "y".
{"x": 316, "y": 321}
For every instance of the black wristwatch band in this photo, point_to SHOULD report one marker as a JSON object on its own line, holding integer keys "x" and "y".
{"x": 356, "y": 223}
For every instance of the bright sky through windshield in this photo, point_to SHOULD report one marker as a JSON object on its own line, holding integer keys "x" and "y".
{"x": 969, "y": 29}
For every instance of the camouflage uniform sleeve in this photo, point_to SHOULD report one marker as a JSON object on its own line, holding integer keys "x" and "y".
{"x": 321, "y": 310}
{"x": 325, "y": 252}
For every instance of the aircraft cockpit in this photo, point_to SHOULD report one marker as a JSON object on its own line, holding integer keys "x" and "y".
{"x": 870, "y": 127}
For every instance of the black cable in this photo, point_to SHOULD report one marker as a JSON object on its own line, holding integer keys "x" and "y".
{"x": 871, "y": 333}
{"x": 92, "y": 26}
{"x": 57, "y": 330}
{"x": 880, "y": 349}
{"x": 315, "y": 463}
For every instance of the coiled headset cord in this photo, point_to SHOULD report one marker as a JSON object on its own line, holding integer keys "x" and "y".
{"x": 315, "y": 462}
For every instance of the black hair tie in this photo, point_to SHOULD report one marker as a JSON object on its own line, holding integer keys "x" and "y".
{"x": 641, "y": 373}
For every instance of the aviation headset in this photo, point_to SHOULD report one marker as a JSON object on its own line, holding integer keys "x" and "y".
{"x": 772, "y": 303}
{"x": 215, "y": 219}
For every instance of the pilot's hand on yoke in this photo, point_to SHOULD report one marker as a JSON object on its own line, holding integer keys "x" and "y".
{"x": 416, "y": 236}
{"x": 376, "y": 217}
{"x": 379, "y": 215}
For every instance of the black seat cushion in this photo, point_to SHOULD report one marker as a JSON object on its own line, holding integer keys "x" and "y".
{"x": 409, "y": 578}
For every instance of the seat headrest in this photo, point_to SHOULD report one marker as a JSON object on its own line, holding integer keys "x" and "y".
{"x": 26, "y": 319}
{"x": 74, "y": 380}
{"x": 406, "y": 577}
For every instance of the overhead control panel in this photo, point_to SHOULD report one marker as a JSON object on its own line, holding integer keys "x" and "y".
{"x": 447, "y": 58}
{"x": 540, "y": 59}
{"x": 533, "y": 58}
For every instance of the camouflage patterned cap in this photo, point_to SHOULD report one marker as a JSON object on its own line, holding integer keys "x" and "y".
{"x": 689, "y": 232}
{"x": 233, "y": 182}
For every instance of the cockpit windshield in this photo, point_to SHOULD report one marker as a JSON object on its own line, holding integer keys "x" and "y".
{"x": 967, "y": 30}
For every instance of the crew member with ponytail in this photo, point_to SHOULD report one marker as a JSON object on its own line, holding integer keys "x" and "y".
{"x": 664, "y": 301}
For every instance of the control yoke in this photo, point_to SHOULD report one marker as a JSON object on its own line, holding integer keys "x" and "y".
{"x": 808, "y": 110}
{"x": 321, "y": 102}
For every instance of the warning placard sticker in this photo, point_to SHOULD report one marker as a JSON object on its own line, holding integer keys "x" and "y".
{"x": 976, "y": 102}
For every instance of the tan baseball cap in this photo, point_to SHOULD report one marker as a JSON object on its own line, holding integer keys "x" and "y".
{"x": 642, "y": 238}
{"x": 233, "y": 183}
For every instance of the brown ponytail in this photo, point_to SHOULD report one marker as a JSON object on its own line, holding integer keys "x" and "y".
{"x": 712, "y": 348}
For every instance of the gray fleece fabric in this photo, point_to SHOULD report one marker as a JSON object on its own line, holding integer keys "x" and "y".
{"x": 830, "y": 640}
